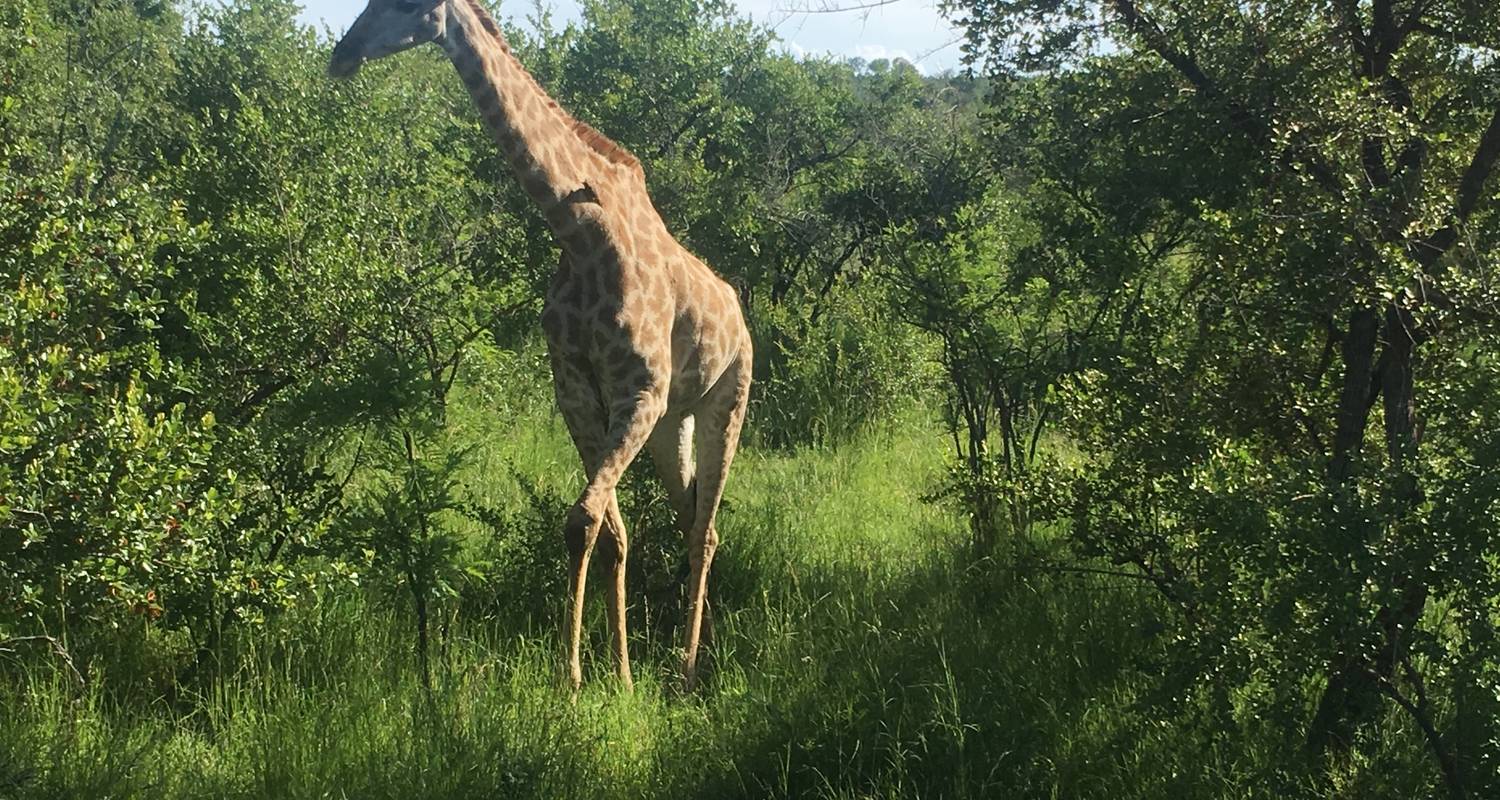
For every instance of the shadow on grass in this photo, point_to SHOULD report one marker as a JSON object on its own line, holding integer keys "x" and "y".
{"x": 952, "y": 682}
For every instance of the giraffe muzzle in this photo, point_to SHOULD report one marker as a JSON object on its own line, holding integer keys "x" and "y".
{"x": 346, "y": 60}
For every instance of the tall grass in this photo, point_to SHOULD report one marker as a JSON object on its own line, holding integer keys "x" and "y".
{"x": 858, "y": 652}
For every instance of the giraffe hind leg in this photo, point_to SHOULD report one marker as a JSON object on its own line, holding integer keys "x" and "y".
{"x": 717, "y": 437}
{"x": 671, "y": 449}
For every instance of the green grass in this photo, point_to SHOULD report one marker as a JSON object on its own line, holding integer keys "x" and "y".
{"x": 858, "y": 653}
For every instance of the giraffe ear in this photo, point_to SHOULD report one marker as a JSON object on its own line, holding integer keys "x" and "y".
{"x": 416, "y": 6}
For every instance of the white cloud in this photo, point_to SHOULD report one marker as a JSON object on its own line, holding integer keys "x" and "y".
{"x": 792, "y": 49}
{"x": 871, "y": 52}
{"x": 909, "y": 29}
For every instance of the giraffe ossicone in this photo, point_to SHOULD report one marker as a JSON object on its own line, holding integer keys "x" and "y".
{"x": 648, "y": 347}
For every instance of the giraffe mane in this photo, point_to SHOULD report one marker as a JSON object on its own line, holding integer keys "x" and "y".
{"x": 612, "y": 151}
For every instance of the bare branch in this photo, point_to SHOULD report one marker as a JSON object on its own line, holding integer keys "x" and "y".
{"x": 827, "y": 7}
{"x": 53, "y": 644}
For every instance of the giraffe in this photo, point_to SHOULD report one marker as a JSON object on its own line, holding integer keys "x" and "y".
{"x": 648, "y": 347}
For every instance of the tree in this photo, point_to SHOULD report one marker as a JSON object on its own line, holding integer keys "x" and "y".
{"x": 1326, "y": 171}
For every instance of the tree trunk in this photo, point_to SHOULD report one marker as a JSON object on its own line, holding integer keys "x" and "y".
{"x": 1356, "y": 397}
{"x": 1353, "y": 692}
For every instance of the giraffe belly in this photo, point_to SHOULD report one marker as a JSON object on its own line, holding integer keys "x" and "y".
{"x": 671, "y": 327}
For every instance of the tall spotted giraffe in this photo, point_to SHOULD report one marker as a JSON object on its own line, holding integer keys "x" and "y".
{"x": 644, "y": 339}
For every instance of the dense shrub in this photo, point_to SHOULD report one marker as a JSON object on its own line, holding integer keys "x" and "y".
{"x": 212, "y": 277}
{"x": 826, "y": 381}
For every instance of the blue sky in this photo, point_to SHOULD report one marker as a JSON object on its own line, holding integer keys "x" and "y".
{"x": 910, "y": 29}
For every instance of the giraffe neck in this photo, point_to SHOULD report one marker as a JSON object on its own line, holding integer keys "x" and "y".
{"x": 551, "y": 153}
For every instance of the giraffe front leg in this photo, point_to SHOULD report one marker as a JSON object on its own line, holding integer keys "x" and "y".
{"x": 632, "y": 419}
{"x": 584, "y": 412}
{"x": 616, "y": 549}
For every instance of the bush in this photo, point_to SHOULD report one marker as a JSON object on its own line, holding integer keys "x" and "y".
{"x": 114, "y": 497}
{"x": 824, "y": 381}
{"x": 217, "y": 265}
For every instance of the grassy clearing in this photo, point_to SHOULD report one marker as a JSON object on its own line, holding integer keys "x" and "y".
{"x": 857, "y": 654}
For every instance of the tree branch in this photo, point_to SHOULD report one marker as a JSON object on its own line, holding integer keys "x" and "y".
{"x": 1421, "y": 712}
{"x": 1258, "y": 128}
{"x": 1479, "y": 169}
{"x": 6, "y": 646}
{"x": 1470, "y": 185}
{"x": 1156, "y": 39}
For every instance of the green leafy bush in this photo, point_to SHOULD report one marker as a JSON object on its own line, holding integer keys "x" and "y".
{"x": 112, "y": 497}
{"x": 826, "y": 381}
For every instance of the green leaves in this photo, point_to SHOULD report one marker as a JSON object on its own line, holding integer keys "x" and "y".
{"x": 209, "y": 279}
{"x": 1266, "y": 198}
{"x": 100, "y": 505}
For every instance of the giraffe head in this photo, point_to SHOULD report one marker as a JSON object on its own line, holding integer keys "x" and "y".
{"x": 387, "y": 27}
